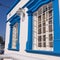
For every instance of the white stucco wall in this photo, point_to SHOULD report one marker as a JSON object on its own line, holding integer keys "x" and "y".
{"x": 22, "y": 54}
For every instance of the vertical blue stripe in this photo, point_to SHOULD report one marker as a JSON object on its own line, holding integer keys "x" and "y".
{"x": 56, "y": 26}
{"x": 29, "y": 41}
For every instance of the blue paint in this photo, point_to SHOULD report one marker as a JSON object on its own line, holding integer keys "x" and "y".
{"x": 13, "y": 17}
{"x": 29, "y": 41}
{"x": 28, "y": 3}
{"x": 31, "y": 9}
{"x": 56, "y": 27}
{"x": 13, "y": 5}
{"x": 13, "y": 20}
{"x": 43, "y": 52}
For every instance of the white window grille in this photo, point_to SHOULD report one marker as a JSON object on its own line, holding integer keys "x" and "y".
{"x": 15, "y": 35}
{"x": 43, "y": 28}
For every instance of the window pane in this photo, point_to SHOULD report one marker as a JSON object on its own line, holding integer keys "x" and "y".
{"x": 44, "y": 29}
{"x": 44, "y": 44}
{"x": 50, "y": 44}
{"x": 50, "y": 28}
{"x": 50, "y": 20}
{"x": 39, "y": 44}
{"x": 44, "y": 37}
{"x": 39, "y": 19}
{"x": 39, "y": 31}
{"x": 44, "y": 8}
{"x": 39, "y": 11}
{"x": 44, "y": 24}
{"x": 43, "y": 16}
{"x": 39, "y": 38}
{"x": 47, "y": 15}
{"x": 50, "y": 13}
{"x": 50, "y": 37}
{"x": 39, "y": 25}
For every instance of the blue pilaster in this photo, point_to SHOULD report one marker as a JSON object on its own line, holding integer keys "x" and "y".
{"x": 56, "y": 26}
{"x": 29, "y": 41}
{"x": 10, "y": 39}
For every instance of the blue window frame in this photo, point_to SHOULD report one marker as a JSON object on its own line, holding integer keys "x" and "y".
{"x": 34, "y": 6}
{"x": 14, "y": 27}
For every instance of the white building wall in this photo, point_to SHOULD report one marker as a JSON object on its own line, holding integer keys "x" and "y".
{"x": 22, "y": 54}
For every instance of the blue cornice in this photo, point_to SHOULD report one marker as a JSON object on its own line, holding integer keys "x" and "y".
{"x": 36, "y": 4}
{"x": 39, "y": 4}
{"x": 33, "y": 5}
{"x": 13, "y": 20}
{"x": 14, "y": 16}
{"x": 14, "y": 4}
{"x": 28, "y": 3}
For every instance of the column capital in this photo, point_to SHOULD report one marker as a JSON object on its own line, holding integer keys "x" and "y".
{"x": 30, "y": 13}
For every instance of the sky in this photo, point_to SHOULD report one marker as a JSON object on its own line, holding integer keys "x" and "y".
{"x": 5, "y": 5}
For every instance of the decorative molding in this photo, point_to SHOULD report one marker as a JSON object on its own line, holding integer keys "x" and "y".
{"x": 13, "y": 20}
{"x": 37, "y": 4}
{"x": 15, "y": 3}
{"x": 20, "y": 11}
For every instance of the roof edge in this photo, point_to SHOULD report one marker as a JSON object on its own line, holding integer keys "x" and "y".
{"x": 16, "y": 2}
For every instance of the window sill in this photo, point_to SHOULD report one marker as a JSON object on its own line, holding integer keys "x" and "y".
{"x": 43, "y": 52}
{"x": 13, "y": 49}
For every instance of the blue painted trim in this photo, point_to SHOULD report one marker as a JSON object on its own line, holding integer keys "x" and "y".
{"x": 28, "y": 3}
{"x": 14, "y": 4}
{"x": 56, "y": 26}
{"x": 31, "y": 10}
{"x": 38, "y": 4}
{"x": 43, "y": 52}
{"x": 13, "y": 21}
{"x": 30, "y": 21}
{"x": 29, "y": 41}
{"x": 13, "y": 17}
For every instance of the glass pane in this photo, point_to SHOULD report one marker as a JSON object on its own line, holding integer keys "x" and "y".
{"x": 39, "y": 19}
{"x": 50, "y": 13}
{"x": 50, "y": 44}
{"x": 47, "y": 15}
{"x": 50, "y": 28}
{"x": 44, "y": 37}
{"x": 39, "y": 38}
{"x": 44, "y": 16}
{"x": 39, "y": 44}
{"x": 44, "y": 44}
{"x": 44, "y": 29}
{"x": 39, "y": 31}
{"x": 39, "y": 25}
{"x": 44, "y": 8}
{"x": 50, "y": 37}
{"x": 44, "y": 24}
{"x": 50, "y": 20}
{"x": 39, "y": 11}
